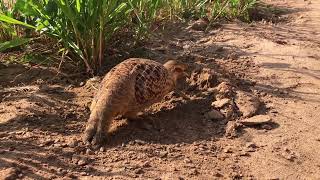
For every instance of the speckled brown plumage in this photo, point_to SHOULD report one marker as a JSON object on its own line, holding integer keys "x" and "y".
{"x": 127, "y": 89}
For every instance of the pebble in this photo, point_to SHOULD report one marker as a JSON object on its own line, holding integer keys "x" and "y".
{"x": 218, "y": 175}
{"x": 163, "y": 154}
{"x": 89, "y": 152}
{"x": 251, "y": 145}
{"x": 140, "y": 142}
{"x": 194, "y": 172}
{"x": 83, "y": 173}
{"x": 73, "y": 143}
{"x": 231, "y": 128}
{"x": 214, "y": 115}
{"x": 102, "y": 149}
{"x": 146, "y": 164}
{"x": 227, "y": 150}
{"x": 187, "y": 160}
{"x": 289, "y": 157}
{"x": 243, "y": 153}
{"x": 138, "y": 171}
{"x": 82, "y": 162}
{"x": 220, "y": 103}
{"x": 256, "y": 120}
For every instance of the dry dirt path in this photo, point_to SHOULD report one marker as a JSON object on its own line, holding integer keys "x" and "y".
{"x": 289, "y": 57}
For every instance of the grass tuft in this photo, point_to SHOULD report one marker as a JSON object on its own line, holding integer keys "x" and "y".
{"x": 85, "y": 27}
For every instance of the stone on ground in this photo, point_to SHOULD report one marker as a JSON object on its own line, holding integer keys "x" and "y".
{"x": 256, "y": 120}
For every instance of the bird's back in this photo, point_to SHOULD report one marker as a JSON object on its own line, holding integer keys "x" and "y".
{"x": 134, "y": 84}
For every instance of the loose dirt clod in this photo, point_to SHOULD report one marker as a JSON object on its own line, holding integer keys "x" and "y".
{"x": 214, "y": 115}
{"x": 202, "y": 79}
{"x": 231, "y": 129}
{"x": 248, "y": 104}
{"x": 256, "y": 120}
{"x": 221, "y": 103}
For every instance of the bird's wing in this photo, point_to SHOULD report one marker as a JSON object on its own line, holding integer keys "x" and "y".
{"x": 151, "y": 83}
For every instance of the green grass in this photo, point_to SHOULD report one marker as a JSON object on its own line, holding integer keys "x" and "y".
{"x": 85, "y": 27}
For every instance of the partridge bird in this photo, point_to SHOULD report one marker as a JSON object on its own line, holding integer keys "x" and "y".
{"x": 127, "y": 89}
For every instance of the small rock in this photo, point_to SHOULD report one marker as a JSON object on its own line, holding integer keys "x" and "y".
{"x": 218, "y": 175}
{"x": 146, "y": 164}
{"x": 214, "y": 115}
{"x": 62, "y": 171}
{"x": 251, "y": 145}
{"x": 131, "y": 142}
{"x": 229, "y": 113}
{"x": 57, "y": 145}
{"x": 89, "y": 152}
{"x": 289, "y": 157}
{"x": 194, "y": 172}
{"x": 163, "y": 154}
{"x": 140, "y": 142}
{"x": 73, "y": 143}
{"x": 244, "y": 153}
{"x": 227, "y": 150}
{"x": 231, "y": 129}
{"x": 224, "y": 90}
{"x": 11, "y": 148}
{"x": 72, "y": 176}
{"x": 220, "y": 103}
{"x": 102, "y": 149}
{"x": 82, "y": 162}
{"x": 48, "y": 142}
{"x": 248, "y": 104}
{"x": 256, "y": 120}
{"x": 83, "y": 173}
{"x": 82, "y": 83}
{"x": 138, "y": 171}
{"x": 187, "y": 160}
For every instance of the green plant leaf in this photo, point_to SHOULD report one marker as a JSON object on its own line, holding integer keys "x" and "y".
{"x": 10, "y": 20}
{"x": 14, "y": 43}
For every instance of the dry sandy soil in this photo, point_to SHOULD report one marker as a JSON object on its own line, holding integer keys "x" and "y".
{"x": 269, "y": 67}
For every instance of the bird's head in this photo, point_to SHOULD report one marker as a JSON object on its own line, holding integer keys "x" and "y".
{"x": 176, "y": 69}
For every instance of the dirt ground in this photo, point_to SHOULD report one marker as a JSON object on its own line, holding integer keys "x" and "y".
{"x": 270, "y": 67}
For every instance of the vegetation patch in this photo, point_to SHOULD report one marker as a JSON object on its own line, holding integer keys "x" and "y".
{"x": 84, "y": 28}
